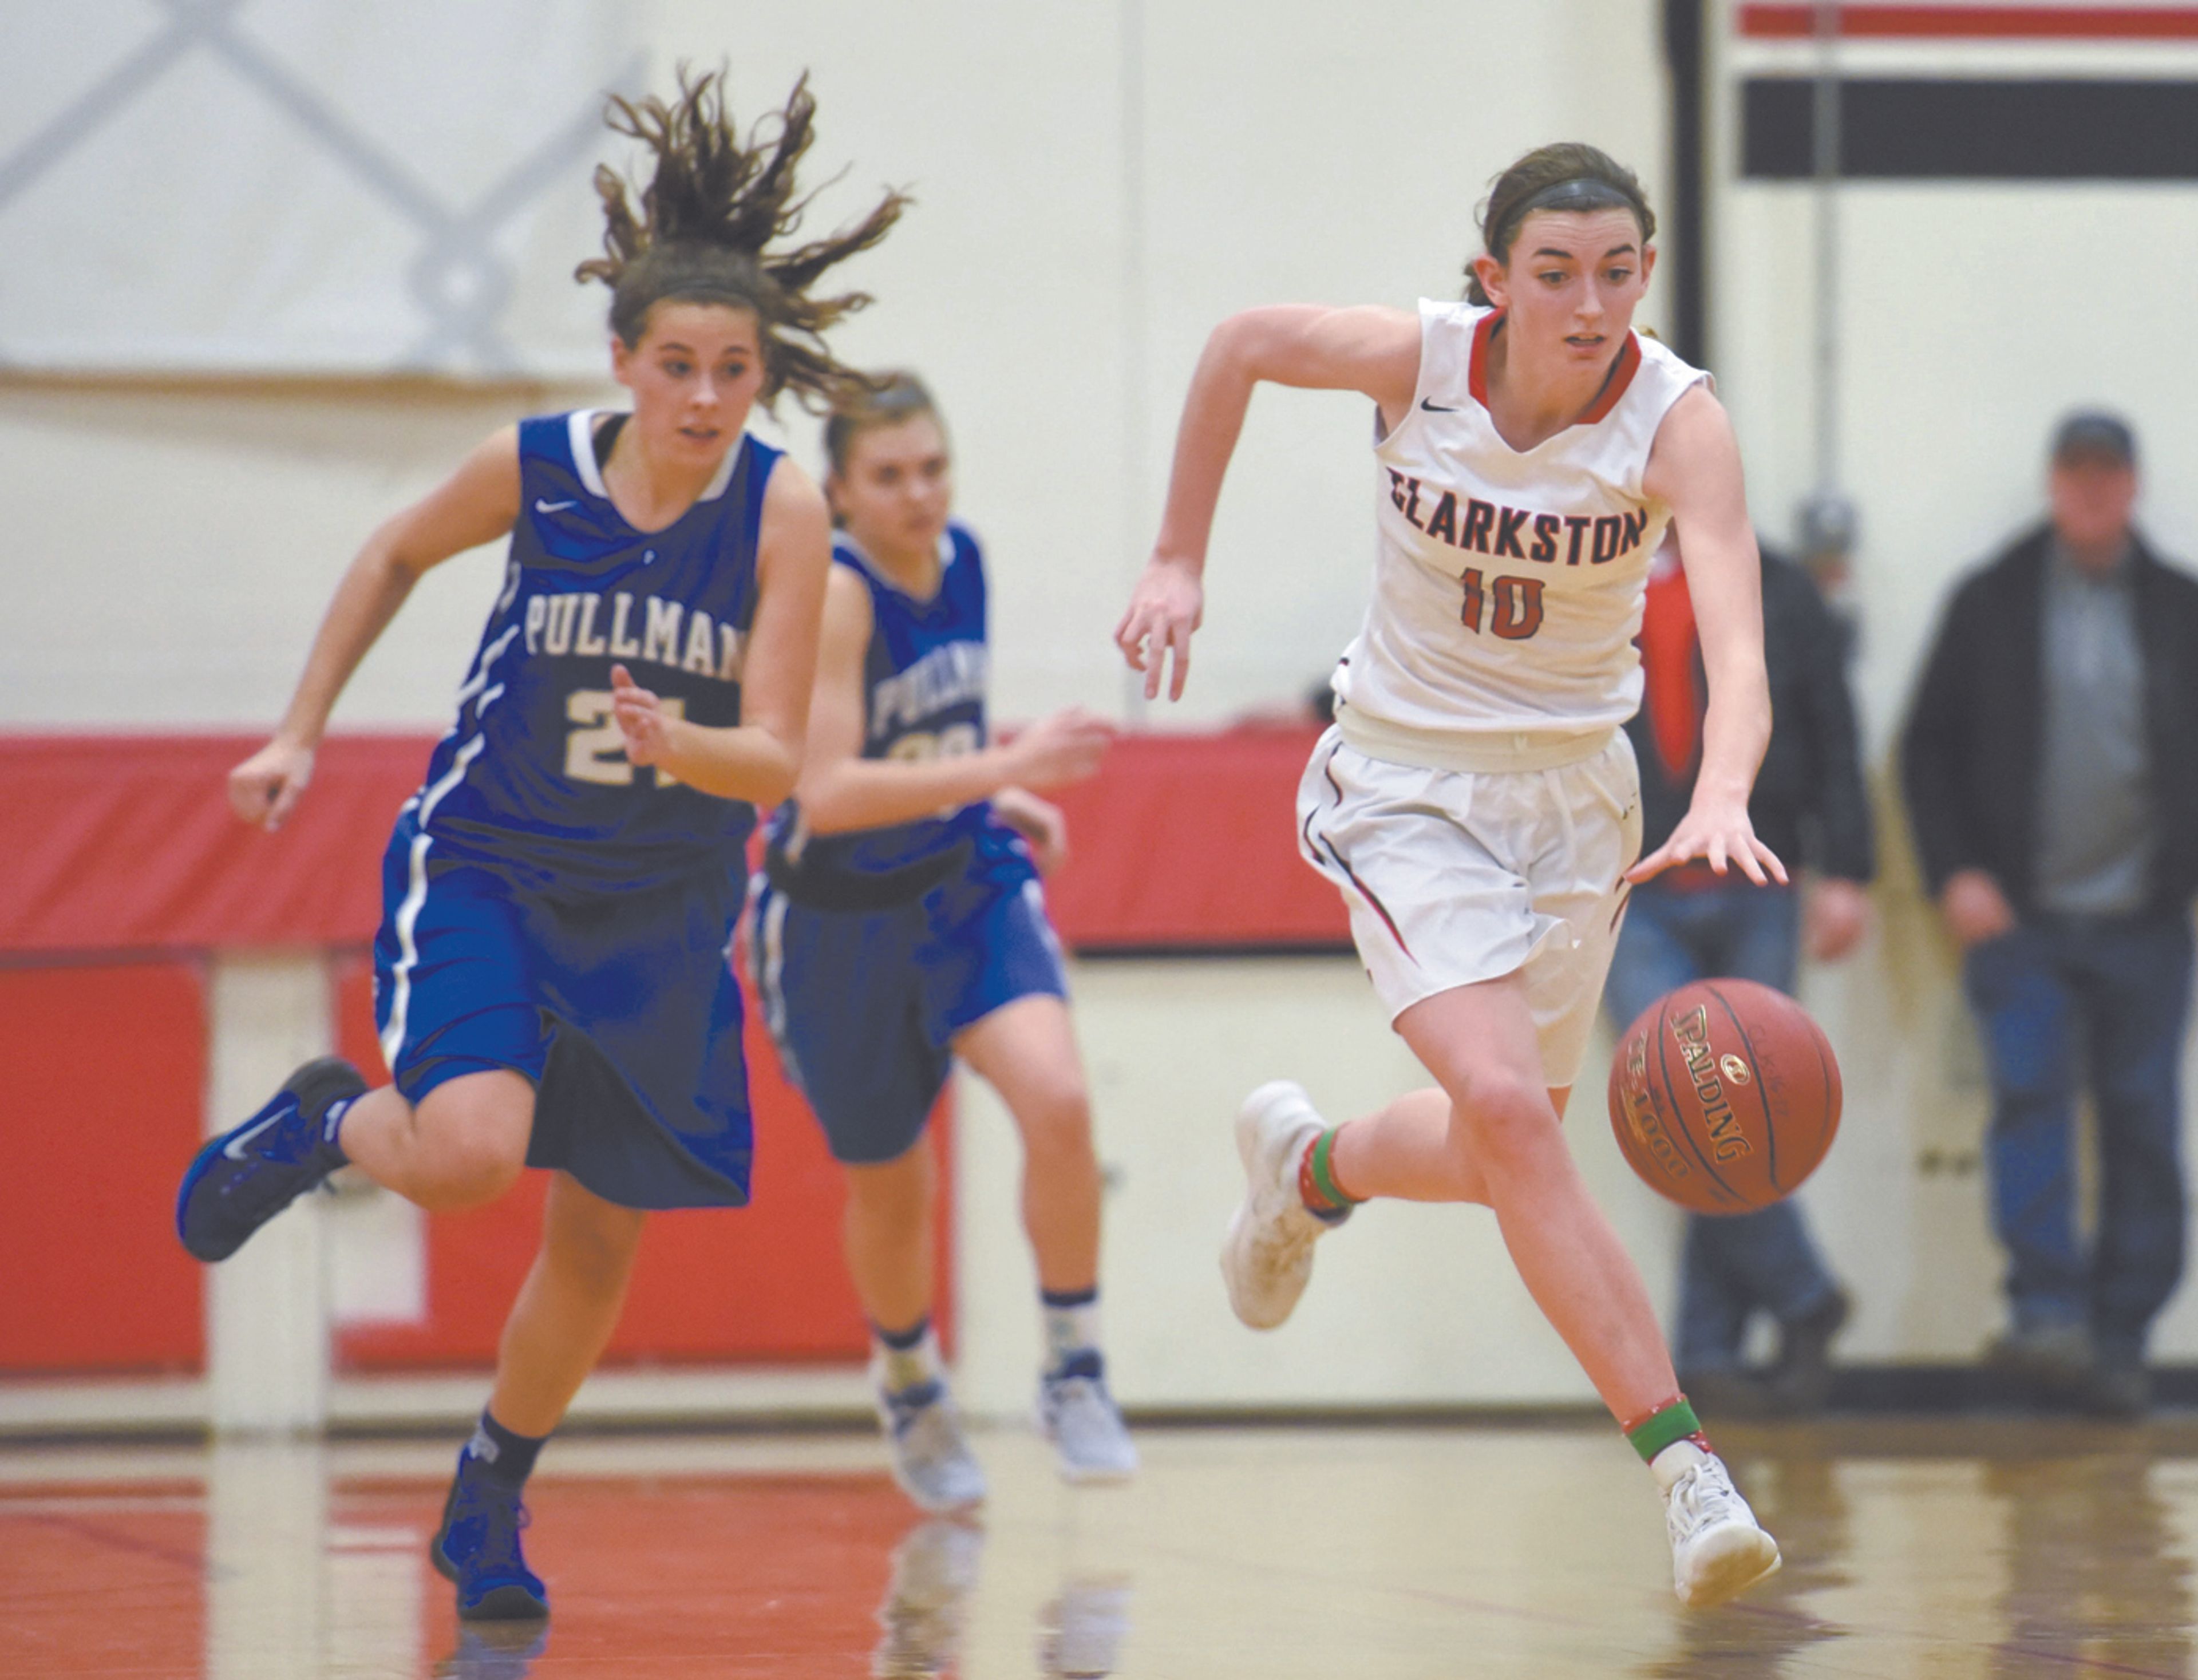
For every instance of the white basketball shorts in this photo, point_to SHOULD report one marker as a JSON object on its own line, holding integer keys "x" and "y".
{"x": 1457, "y": 876}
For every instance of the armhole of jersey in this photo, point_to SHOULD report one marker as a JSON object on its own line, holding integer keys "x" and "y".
{"x": 1432, "y": 313}
{"x": 753, "y": 474}
{"x": 979, "y": 584}
{"x": 1701, "y": 377}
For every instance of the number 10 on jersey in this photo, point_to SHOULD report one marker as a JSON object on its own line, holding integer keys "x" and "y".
{"x": 1518, "y": 602}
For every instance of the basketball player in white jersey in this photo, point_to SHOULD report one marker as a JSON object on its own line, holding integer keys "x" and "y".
{"x": 1477, "y": 802}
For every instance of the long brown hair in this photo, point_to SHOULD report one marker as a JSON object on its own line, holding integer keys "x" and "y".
{"x": 714, "y": 205}
{"x": 1569, "y": 176}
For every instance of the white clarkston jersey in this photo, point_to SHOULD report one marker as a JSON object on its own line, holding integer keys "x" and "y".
{"x": 1508, "y": 584}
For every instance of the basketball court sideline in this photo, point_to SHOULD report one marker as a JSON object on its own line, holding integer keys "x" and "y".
{"x": 2000, "y": 1546}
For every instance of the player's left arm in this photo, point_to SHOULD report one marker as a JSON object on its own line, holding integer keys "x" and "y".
{"x": 1693, "y": 469}
{"x": 758, "y": 758}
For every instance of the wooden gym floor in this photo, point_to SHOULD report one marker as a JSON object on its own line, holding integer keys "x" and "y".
{"x": 1984, "y": 1546}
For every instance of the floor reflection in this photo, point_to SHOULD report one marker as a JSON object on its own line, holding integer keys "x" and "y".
{"x": 1989, "y": 1549}
{"x": 2097, "y": 1574}
{"x": 934, "y": 1570}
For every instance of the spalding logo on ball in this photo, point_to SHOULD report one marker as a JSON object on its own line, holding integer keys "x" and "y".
{"x": 1724, "y": 1095}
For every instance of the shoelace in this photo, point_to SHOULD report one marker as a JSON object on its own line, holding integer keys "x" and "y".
{"x": 1702, "y": 1497}
{"x": 501, "y": 1520}
{"x": 1081, "y": 1398}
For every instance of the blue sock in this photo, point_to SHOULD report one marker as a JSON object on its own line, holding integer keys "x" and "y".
{"x": 503, "y": 1457}
{"x": 332, "y": 1127}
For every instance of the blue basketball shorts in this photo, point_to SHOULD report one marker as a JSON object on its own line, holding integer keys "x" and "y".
{"x": 864, "y": 1005}
{"x": 619, "y": 1008}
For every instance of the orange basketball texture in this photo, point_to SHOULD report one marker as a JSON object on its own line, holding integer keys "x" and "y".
{"x": 1724, "y": 1095}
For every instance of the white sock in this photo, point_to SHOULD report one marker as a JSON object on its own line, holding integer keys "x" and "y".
{"x": 1069, "y": 1330}
{"x": 902, "y": 1367}
{"x": 1675, "y": 1460}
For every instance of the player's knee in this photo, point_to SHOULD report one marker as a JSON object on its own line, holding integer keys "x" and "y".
{"x": 474, "y": 1134}
{"x": 1056, "y": 1119}
{"x": 892, "y": 1196}
{"x": 597, "y": 1249}
{"x": 1500, "y": 1116}
{"x": 469, "y": 1173}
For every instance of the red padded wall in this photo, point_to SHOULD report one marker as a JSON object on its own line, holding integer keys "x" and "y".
{"x": 103, "y": 1081}
{"x": 765, "y": 1283}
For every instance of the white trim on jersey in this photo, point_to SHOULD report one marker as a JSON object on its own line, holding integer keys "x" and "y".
{"x": 723, "y": 475}
{"x": 580, "y": 436}
{"x": 580, "y": 431}
{"x": 416, "y": 886}
{"x": 415, "y": 897}
{"x": 771, "y": 972}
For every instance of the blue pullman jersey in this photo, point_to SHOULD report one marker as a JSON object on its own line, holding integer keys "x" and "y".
{"x": 923, "y": 698}
{"x": 876, "y": 949}
{"x": 532, "y": 779}
{"x": 548, "y": 907}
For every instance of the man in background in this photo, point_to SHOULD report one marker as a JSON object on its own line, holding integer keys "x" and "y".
{"x": 2051, "y": 768}
{"x": 1809, "y": 806}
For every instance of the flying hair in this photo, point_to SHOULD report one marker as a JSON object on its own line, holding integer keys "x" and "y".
{"x": 706, "y": 223}
{"x": 1569, "y": 176}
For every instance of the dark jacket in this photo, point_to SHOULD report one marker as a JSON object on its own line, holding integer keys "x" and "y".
{"x": 1808, "y": 804}
{"x": 1969, "y": 756}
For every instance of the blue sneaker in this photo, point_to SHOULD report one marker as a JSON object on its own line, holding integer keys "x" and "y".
{"x": 478, "y": 1548}
{"x": 246, "y": 1176}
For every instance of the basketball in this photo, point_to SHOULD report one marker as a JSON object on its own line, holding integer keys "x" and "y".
{"x": 1724, "y": 1095}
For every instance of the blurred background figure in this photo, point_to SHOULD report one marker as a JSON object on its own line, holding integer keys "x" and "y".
{"x": 2051, "y": 780}
{"x": 1809, "y": 806}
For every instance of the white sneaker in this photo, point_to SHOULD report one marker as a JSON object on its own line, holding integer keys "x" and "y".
{"x": 1267, "y": 1259}
{"x": 931, "y": 1457}
{"x": 1090, "y": 1442}
{"x": 1719, "y": 1549}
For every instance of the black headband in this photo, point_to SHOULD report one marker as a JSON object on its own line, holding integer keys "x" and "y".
{"x": 1580, "y": 192}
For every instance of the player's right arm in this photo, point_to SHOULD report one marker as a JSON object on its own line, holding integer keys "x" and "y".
{"x": 477, "y": 503}
{"x": 1370, "y": 350}
{"x": 840, "y": 790}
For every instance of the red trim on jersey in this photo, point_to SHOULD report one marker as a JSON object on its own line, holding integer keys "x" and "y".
{"x": 1613, "y": 385}
{"x": 1790, "y": 21}
{"x": 1476, "y": 378}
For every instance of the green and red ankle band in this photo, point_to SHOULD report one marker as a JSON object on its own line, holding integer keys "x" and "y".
{"x": 1675, "y": 1421}
{"x": 1317, "y": 1184}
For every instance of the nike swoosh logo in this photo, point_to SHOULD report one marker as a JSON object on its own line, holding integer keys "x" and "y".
{"x": 1436, "y": 408}
{"x": 234, "y": 1148}
{"x": 553, "y": 507}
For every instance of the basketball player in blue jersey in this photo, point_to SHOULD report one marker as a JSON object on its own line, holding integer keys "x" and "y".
{"x": 550, "y": 982}
{"x": 899, "y": 923}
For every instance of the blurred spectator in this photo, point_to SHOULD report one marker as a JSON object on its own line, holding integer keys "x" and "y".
{"x": 1810, "y": 807}
{"x": 2052, "y": 780}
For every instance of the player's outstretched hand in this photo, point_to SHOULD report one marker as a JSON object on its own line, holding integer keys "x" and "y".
{"x": 1063, "y": 748}
{"x": 1041, "y": 823}
{"x": 1166, "y": 606}
{"x": 641, "y": 718}
{"x": 265, "y": 788}
{"x": 1720, "y": 834}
